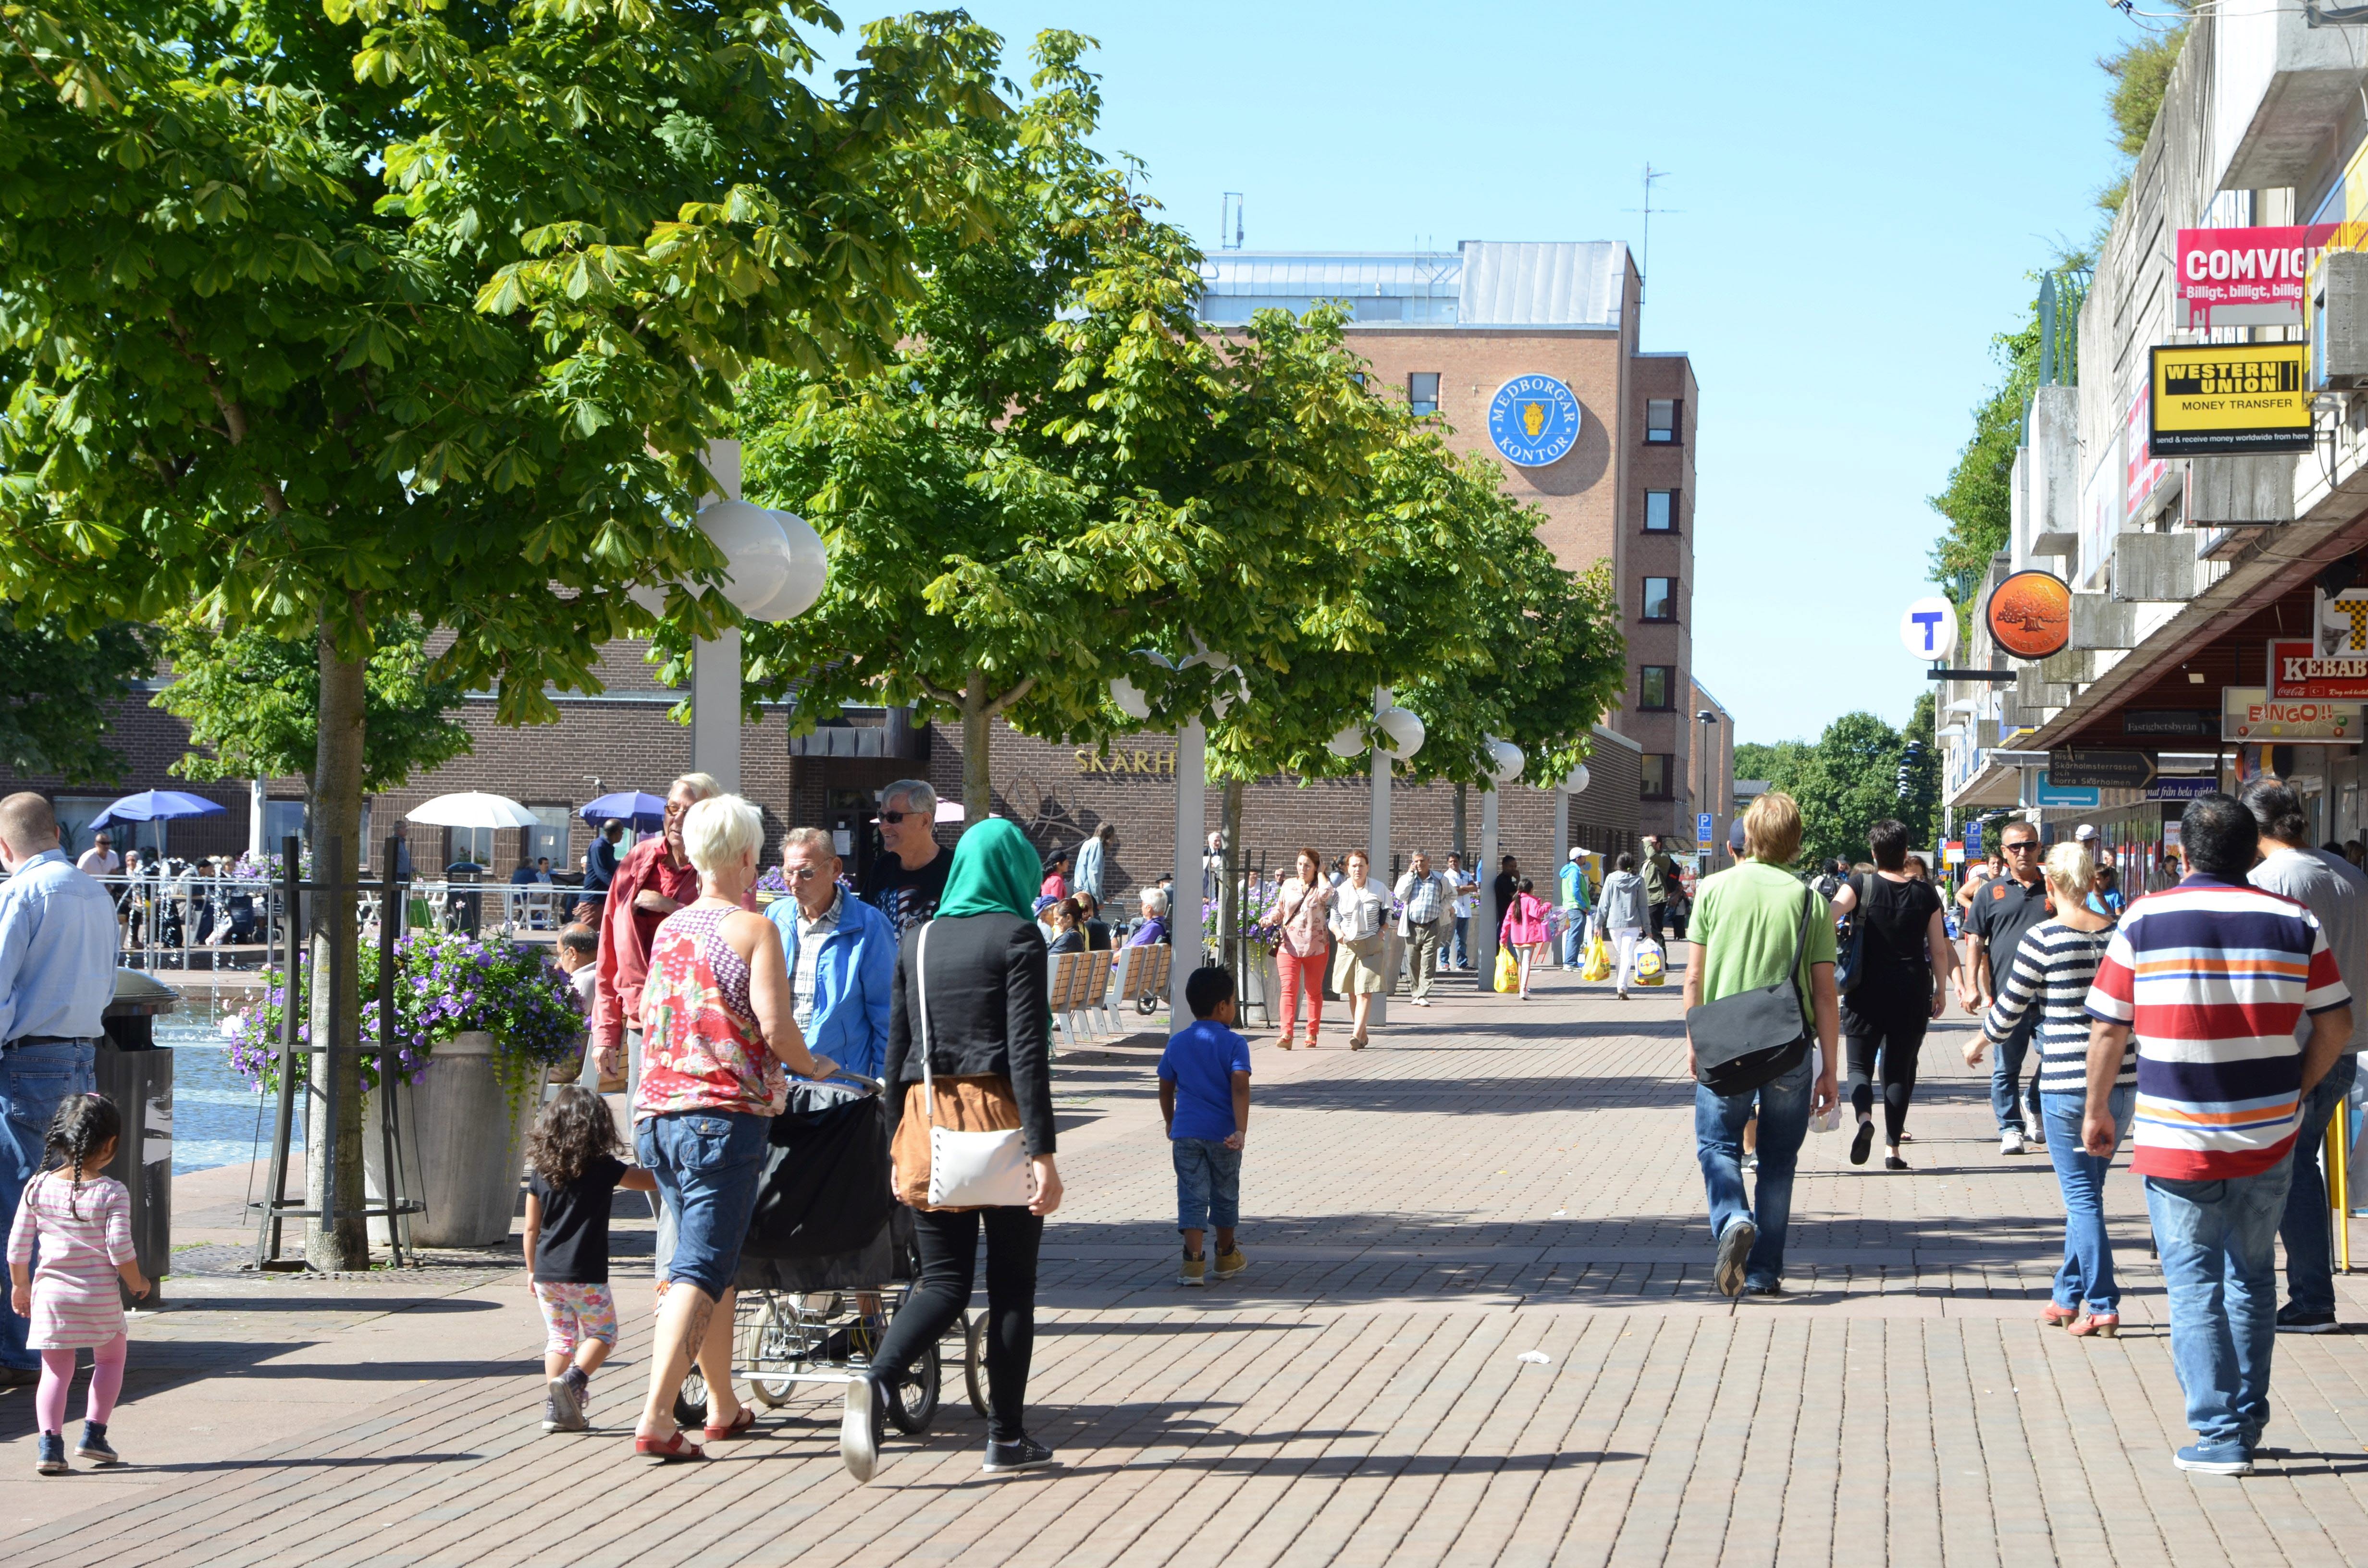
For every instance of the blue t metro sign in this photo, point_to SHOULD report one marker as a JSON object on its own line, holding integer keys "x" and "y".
{"x": 1928, "y": 622}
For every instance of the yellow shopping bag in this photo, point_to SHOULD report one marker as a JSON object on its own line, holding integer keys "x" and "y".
{"x": 1509, "y": 972}
{"x": 1598, "y": 966}
{"x": 1650, "y": 967}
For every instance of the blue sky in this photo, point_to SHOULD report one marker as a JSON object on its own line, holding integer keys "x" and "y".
{"x": 1863, "y": 189}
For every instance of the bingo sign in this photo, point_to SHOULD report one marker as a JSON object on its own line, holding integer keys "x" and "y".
{"x": 1533, "y": 421}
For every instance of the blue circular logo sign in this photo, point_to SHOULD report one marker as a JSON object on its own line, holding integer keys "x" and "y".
{"x": 1534, "y": 420}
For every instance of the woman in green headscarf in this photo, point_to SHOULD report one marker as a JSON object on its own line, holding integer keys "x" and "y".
{"x": 989, "y": 1044}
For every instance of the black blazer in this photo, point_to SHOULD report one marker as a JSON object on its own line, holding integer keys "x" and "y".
{"x": 988, "y": 1013}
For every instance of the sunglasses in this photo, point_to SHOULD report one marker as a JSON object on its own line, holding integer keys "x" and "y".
{"x": 2027, "y": 845}
{"x": 800, "y": 873}
{"x": 894, "y": 817}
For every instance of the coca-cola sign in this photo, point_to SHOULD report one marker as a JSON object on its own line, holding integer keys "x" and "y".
{"x": 2300, "y": 673}
{"x": 2246, "y": 277}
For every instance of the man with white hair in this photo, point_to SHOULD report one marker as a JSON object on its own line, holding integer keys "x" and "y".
{"x": 57, "y": 975}
{"x": 841, "y": 955}
{"x": 905, "y": 883}
{"x": 652, "y": 882}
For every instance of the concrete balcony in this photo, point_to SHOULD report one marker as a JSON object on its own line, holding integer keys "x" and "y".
{"x": 2281, "y": 90}
{"x": 2053, "y": 474}
{"x": 2154, "y": 568}
{"x": 2241, "y": 491}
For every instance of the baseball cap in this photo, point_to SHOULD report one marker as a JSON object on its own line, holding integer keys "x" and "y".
{"x": 1735, "y": 835}
{"x": 2084, "y": 832}
{"x": 1578, "y": 854}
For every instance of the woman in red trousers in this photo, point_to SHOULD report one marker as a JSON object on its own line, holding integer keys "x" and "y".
{"x": 1298, "y": 916}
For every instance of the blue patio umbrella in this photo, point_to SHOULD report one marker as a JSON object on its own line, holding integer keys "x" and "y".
{"x": 645, "y": 812}
{"x": 158, "y": 805}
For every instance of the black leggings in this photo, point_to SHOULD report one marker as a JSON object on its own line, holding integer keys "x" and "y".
{"x": 1895, "y": 1035}
{"x": 949, "y": 1245}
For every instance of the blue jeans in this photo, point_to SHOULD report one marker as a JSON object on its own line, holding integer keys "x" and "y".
{"x": 707, "y": 1163}
{"x": 1574, "y": 936}
{"x": 2007, "y": 1074}
{"x": 2218, "y": 1245}
{"x": 33, "y": 1079}
{"x": 2310, "y": 1252}
{"x": 1782, "y": 1106}
{"x": 2088, "y": 1271}
{"x": 1462, "y": 959}
{"x": 1208, "y": 1184}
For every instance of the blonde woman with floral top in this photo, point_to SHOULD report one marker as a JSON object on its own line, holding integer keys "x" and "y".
{"x": 1298, "y": 918}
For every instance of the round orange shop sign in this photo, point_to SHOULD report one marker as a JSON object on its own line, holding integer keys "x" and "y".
{"x": 2031, "y": 615}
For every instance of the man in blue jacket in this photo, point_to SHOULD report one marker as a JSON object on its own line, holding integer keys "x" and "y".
{"x": 842, "y": 956}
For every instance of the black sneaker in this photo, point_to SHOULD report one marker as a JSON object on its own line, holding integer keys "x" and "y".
{"x": 1025, "y": 1453}
{"x": 2293, "y": 1319}
{"x": 1861, "y": 1142}
{"x": 50, "y": 1456}
{"x": 95, "y": 1445}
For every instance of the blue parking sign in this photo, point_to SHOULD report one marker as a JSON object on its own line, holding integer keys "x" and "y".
{"x": 1702, "y": 827}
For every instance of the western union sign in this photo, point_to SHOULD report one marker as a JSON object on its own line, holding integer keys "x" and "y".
{"x": 2229, "y": 398}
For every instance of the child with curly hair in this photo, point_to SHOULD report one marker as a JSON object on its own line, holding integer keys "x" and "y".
{"x": 573, "y": 1168}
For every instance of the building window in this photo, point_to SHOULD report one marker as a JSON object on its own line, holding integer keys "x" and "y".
{"x": 1656, "y": 776}
{"x": 1656, "y": 684}
{"x": 1661, "y": 421}
{"x": 1660, "y": 598}
{"x": 1422, "y": 391}
{"x": 1660, "y": 511}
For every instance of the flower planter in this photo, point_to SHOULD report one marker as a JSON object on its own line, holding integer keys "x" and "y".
{"x": 1260, "y": 987}
{"x": 463, "y": 1146}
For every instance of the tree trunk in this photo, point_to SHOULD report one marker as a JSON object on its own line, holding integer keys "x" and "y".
{"x": 1229, "y": 896}
{"x": 978, "y": 724}
{"x": 333, "y": 935}
{"x": 1459, "y": 848}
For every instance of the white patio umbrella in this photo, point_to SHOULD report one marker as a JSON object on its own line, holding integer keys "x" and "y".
{"x": 472, "y": 809}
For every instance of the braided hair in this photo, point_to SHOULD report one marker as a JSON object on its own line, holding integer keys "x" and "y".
{"x": 83, "y": 1125}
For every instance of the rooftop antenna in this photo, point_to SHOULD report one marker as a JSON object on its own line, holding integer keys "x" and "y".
{"x": 1229, "y": 216}
{"x": 1644, "y": 267}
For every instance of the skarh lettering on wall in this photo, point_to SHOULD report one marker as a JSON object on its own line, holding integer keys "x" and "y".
{"x": 1162, "y": 763}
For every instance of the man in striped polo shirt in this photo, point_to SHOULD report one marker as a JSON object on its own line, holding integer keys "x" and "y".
{"x": 2212, "y": 976}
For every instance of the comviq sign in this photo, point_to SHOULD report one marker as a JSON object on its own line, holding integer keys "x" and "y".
{"x": 2246, "y": 277}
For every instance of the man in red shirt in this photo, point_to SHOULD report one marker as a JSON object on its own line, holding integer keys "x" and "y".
{"x": 652, "y": 880}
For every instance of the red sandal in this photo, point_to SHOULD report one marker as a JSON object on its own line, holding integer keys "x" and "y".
{"x": 672, "y": 1448}
{"x": 741, "y": 1424}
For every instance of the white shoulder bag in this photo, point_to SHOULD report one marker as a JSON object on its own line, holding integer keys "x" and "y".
{"x": 967, "y": 1170}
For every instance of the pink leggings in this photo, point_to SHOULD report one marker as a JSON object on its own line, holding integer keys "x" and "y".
{"x": 1294, "y": 972}
{"x": 57, "y": 1374}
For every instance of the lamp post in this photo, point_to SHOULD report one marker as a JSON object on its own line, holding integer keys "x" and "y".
{"x": 1506, "y": 764}
{"x": 1709, "y": 720}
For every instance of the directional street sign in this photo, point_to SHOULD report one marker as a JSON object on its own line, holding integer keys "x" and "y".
{"x": 2110, "y": 770}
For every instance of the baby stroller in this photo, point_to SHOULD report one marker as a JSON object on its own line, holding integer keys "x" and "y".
{"x": 830, "y": 1258}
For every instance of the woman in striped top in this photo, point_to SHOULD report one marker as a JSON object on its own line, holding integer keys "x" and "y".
{"x": 2053, "y": 970}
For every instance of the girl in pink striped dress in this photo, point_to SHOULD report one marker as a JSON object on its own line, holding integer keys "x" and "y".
{"x": 82, "y": 1222}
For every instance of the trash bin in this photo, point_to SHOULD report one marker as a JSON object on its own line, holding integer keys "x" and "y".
{"x": 138, "y": 1076}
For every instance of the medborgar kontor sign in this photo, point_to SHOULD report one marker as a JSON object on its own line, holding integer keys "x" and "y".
{"x": 1534, "y": 420}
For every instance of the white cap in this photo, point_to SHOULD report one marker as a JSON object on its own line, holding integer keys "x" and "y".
{"x": 1576, "y": 854}
{"x": 2084, "y": 832}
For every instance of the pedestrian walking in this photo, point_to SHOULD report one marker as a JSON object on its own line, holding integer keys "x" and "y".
{"x": 654, "y": 880}
{"x": 1056, "y": 879}
{"x": 2050, "y": 975}
{"x": 1360, "y": 916}
{"x": 1660, "y": 885}
{"x": 1204, "y": 1098}
{"x": 1502, "y": 893}
{"x": 2003, "y": 911}
{"x": 1575, "y": 899}
{"x": 1426, "y": 904}
{"x": 1624, "y": 913}
{"x": 906, "y": 881}
{"x": 1757, "y": 927}
{"x": 1298, "y": 917}
{"x": 1900, "y": 986}
{"x": 577, "y": 954}
{"x": 1467, "y": 886}
{"x": 1093, "y": 861}
{"x": 717, "y": 1030}
{"x": 2333, "y": 889}
{"x": 57, "y": 976}
{"x": 601, "y": 858}
{"x": 840, "y": 954}
{"x": 972, "y": 1002}
{"x": 575, "y": 1162}
{"x": 2212, "y": 977}
{"x": 1525, "y": 931}
{"x": 79, "y": 1220}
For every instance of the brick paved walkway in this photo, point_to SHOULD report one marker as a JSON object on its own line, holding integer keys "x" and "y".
{"x": 1491, "y": 1180}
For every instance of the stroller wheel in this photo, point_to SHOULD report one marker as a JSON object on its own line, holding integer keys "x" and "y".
{"x": 975, "y": 1363}
{"x": 1146, "y": 1006}
{"x": 772, "y": 1395}
{"x": 690, "y": 1400}
{"x": 915, "y": 1404}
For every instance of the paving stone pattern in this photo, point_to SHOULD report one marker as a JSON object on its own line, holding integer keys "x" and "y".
{"x": 1491, "y": 1180}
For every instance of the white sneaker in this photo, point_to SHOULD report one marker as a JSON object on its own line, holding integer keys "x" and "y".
{"x": 2010, "y": 1142}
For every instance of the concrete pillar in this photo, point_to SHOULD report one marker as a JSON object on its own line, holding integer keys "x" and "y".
{"x": 255, "y": 797}
{"x": 1191, "y": 836}
{"x": 1483, "y": 957}
{"x": 715, "y": 664}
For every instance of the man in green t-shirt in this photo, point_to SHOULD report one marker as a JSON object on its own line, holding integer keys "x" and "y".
{"x": 1749, "y": 923}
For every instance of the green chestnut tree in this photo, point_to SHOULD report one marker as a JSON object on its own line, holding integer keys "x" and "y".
{"x": 323, "y": 316}
{"x": 58, "y": 689}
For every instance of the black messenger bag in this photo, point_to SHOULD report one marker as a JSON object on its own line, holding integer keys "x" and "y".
{"x": 1753, "y": 1036}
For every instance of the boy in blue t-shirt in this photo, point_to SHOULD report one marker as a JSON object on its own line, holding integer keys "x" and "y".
{"x": 1204, "y": 1097}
